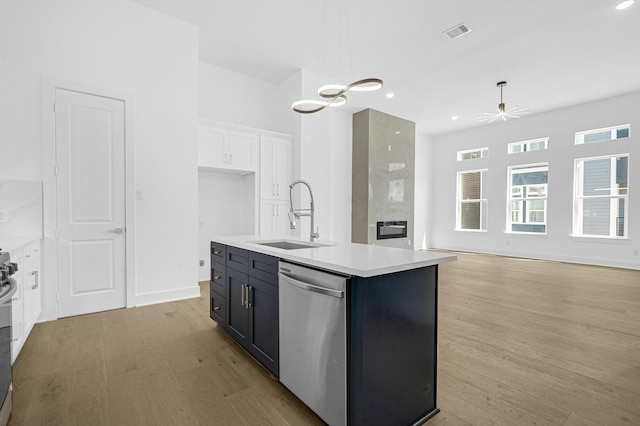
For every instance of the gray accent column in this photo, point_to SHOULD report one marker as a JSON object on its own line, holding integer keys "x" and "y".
{"x": 383, "y": 176}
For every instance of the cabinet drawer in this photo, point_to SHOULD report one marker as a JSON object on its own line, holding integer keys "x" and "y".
{"x": 218, "y": 252}
{"x": 238, "y": 259}
{"x": 218, "y": 279}
{"x": 217, "y": 308}
{"x": 263, "y": 267}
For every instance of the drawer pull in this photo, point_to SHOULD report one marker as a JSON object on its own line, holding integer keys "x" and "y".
{"x": 217, "y": 277}
{"x": 217, "y": 308}
{"x": 216, "y": 252}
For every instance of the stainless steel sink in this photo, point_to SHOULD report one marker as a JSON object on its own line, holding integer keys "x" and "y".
{"x": 290, "y": 245}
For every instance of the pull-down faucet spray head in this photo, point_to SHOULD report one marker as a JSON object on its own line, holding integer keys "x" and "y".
{"x": 292, "y": 219}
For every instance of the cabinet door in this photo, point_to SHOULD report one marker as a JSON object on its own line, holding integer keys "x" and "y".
{"x": 212, "y": 146}
{"x": 267, "y": 173}
{"x": 267, "y": 213}
{"x": 17, "y": 317}
{"x": 263, "y": 323}
{"x": 237, "y": 312}
{"x": 283, "y": 156}
{"x": 281, "y": 225}
{"x": 35, "y": 290}
{"x": 219, "y": 279}
{"x": 217, "y": 309}
{"x": 274, "y": 218}
{"x": 242, "y": 149}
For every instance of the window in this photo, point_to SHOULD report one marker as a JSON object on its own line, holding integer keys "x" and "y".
{"x": 528, "y": 198}
{"x": 473, "y": 153}
{"x": 601, "y": 191}
{"x": 532, "y": 145}
{"x": 472, "y": 200}
{"x": 603, "y": 135}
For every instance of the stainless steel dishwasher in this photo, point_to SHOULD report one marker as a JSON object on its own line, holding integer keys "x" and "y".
{"x": 313, "y": 339}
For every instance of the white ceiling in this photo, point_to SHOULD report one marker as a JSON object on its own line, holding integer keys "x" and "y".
{"x": 552, "y": 53}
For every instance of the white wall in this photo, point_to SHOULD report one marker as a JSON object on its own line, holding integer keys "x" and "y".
{"x": 236, "y": 98}
{"x": 325, "y": 162}
{"x": 560, "y": 126}
{"x": 122, "y": 47}
{"x": 226, "y": 207}
{"x": 423, "y": 189}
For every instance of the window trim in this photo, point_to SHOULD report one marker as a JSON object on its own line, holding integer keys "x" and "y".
{"x": 459, "y": 201}
{"x": 579, "y": 137}
{"x": 527, "y": 143}
{"x": 482, "y": 150}
{"x": 577, "y": 219}
{"x": 510, "y": 199}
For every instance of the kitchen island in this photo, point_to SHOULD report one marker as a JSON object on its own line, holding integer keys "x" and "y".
{"x": 350, "y": 329}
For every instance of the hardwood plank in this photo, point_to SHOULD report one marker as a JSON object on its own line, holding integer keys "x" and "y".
{"x": 128, "y": 400}
{"x": 89, "y": 401}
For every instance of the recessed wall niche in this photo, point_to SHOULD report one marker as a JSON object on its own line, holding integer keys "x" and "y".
{"x": 383, "y": 179}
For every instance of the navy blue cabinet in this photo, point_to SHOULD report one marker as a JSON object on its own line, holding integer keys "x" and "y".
{"x": 247, "y": 285}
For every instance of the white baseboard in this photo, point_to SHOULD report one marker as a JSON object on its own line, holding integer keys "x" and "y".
{"x": 167, "y": 296}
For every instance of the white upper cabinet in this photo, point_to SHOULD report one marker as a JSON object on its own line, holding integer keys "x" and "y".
{"x": 276, "y": 167}
{"x": 224, "y": 149}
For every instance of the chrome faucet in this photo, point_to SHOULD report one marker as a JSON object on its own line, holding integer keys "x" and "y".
{"x": 293, "y": 214}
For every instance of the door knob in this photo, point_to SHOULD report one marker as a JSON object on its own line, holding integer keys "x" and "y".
{"x": 116, "y": 231}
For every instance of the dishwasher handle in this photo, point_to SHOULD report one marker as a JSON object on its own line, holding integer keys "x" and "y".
{"x": 310, "y": 287}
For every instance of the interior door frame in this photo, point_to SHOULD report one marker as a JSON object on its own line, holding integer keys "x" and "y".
{"x": 49, "y": 85}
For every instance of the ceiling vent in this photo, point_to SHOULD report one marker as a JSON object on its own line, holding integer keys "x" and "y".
{"x": 457, "y": 31}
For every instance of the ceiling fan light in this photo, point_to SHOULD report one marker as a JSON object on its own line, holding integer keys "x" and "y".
{"x": 502, "y": 112}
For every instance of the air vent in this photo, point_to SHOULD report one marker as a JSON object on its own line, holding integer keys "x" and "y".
{"x": 457, "y": 31}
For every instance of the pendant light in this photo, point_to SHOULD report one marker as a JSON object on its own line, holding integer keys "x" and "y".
{"x": 502, "y": 112}
{"x": 333, "y": 95}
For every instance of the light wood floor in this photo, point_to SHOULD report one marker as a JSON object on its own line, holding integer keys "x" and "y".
{"x": 521, "y": 343}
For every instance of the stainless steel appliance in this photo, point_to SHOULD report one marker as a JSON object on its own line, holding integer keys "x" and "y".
{"x": 313, "y": 339}
{"x": 7, "y": 289}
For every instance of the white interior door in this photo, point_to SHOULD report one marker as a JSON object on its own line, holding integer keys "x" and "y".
{"x": 90, "y": 190}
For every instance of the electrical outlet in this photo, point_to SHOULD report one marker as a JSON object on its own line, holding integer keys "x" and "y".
{"x": 201, "y": 262}
{"x": 3, "y": 216}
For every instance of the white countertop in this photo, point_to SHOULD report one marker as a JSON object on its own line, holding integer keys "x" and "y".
{"x": 348, "y": 258}
{"x": 13, "y": 242}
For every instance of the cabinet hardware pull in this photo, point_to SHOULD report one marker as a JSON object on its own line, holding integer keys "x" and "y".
{"x": 35, "y": 278}
{"x": 225, "y": 159}
{"x": 273, "y": 189}
{"x": 230, "y": 158}
{"x": 249, "y": 297}
{"x": 216, "y": 252}
{"x": 277, "y": 189}
{"x": 243, "y": 296}
{"x": 217, "y": 277}
{"x": 216, "y": 308}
